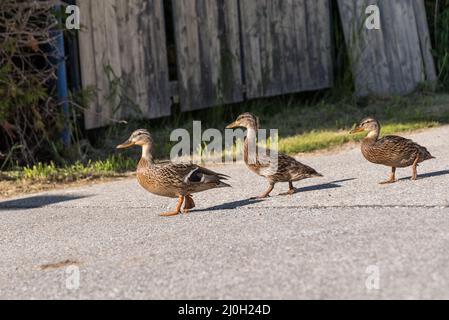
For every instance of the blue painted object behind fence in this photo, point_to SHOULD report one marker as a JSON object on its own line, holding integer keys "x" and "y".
{"x": 61, "y": 83}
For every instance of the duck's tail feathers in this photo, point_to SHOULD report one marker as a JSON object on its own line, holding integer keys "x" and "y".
{"x": 221, "y": 184}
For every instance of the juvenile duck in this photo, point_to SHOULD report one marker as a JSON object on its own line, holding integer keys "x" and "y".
{"x": 171, "y": 179}
{"x": 391, "y": 151}
{"x": 287, "y": 169}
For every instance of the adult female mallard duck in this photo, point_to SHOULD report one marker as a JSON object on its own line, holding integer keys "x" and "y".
{"x": 285, "y": 169}
{"x": 391, "y": 151}
{"x": 171, "y": 180}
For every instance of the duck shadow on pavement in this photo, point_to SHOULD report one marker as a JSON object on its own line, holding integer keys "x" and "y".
{"x": 37, "y": 201}
{"x": 251, "y": 201}
{"x": 428, "y": 175}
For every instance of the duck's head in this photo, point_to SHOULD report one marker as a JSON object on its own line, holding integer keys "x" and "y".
{"x": 367, "y": 125}
{"x": 139, "y": 137}
{"x": 245, "y": 120}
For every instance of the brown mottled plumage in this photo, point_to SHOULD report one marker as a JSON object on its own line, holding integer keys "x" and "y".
{"x": 258, "y": 160}
{"x": 174, "y": 180}
{"x": 391, "y": 151}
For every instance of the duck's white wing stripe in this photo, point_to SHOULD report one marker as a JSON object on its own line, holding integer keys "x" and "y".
{"x": 187, "y": 177}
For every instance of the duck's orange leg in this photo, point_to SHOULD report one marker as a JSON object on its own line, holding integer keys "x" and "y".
{"x": 266, "y": 193}
{"x": 189, "y": 203}
{"x": 291, "y": 190}
{"x": 177, "y": 211}
{"x": 392, "y": 178}
{"x": 414, "y": 168}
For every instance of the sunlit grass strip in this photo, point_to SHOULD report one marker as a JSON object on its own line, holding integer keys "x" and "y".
{"x": 111, "y": 167}
{"x": 319, "y": 140}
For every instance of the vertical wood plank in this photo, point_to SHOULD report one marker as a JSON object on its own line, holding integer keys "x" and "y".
{"x": 390, "y": 60}
{"x": 143, "y": 55}
{"x": 424, "y": 40}
{"x": 105, "y": 49}
{"x": 250, "y": 28}
{"x": 125, "y": 39}
{"x": 87, "y": 56}
{"x": 287, "y": 46}
{"x": 208, "y": 52}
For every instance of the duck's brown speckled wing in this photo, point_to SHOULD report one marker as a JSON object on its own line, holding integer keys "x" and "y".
{"x": 291, "y": 169}
{"x": 286, "y": 169}
{"x": 395, "y": 151}
{"x": 173, "y": 179}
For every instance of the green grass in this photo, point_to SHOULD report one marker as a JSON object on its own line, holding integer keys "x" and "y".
{"x": 318, "y": 140}
{"x": 112, "y": 167}
{"x": 304, "y": 125}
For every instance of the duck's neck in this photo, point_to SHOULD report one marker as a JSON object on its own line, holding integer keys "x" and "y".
{"x": 251, "y": 134}
{"x": 372, "y": 136}
{"x": 250, "y": 146}
{"x": 147, "y": 155}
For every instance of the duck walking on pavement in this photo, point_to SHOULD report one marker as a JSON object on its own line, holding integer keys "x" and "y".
{"x": 283, "y": 168}
{"x": 171, "y": 180}
{"x": 391, "y": 151}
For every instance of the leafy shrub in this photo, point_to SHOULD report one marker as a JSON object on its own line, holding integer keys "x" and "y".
{"x": 30, "y": 120}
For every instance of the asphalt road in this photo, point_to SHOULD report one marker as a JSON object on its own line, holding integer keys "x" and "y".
{"x": 337, "y": 234}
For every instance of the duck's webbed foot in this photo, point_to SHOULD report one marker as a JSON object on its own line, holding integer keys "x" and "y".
{"x": 392, "y": 178}
{"x": 389, "y": 181}
{"x": 169, "y": 214}
{"x": 177, "y": 210}
{"x": 266, "y": 194}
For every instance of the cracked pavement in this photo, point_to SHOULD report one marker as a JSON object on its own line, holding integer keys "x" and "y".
{"x": 320, "y": 243}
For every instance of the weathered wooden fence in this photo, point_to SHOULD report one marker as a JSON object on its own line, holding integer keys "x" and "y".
{"x": 123, "y": 46}
{"x": 287, "y": 46}
{"x": 224, "y": 48}
{"x": 395, "y": 58}
{"x": 208, "y": 52}
{"x": 230, "y": 50}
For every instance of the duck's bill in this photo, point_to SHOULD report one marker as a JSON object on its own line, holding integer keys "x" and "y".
{"x": 232, "y": 125}
{"x": 124, "y": 145}
{"x": 358, "y": 129}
